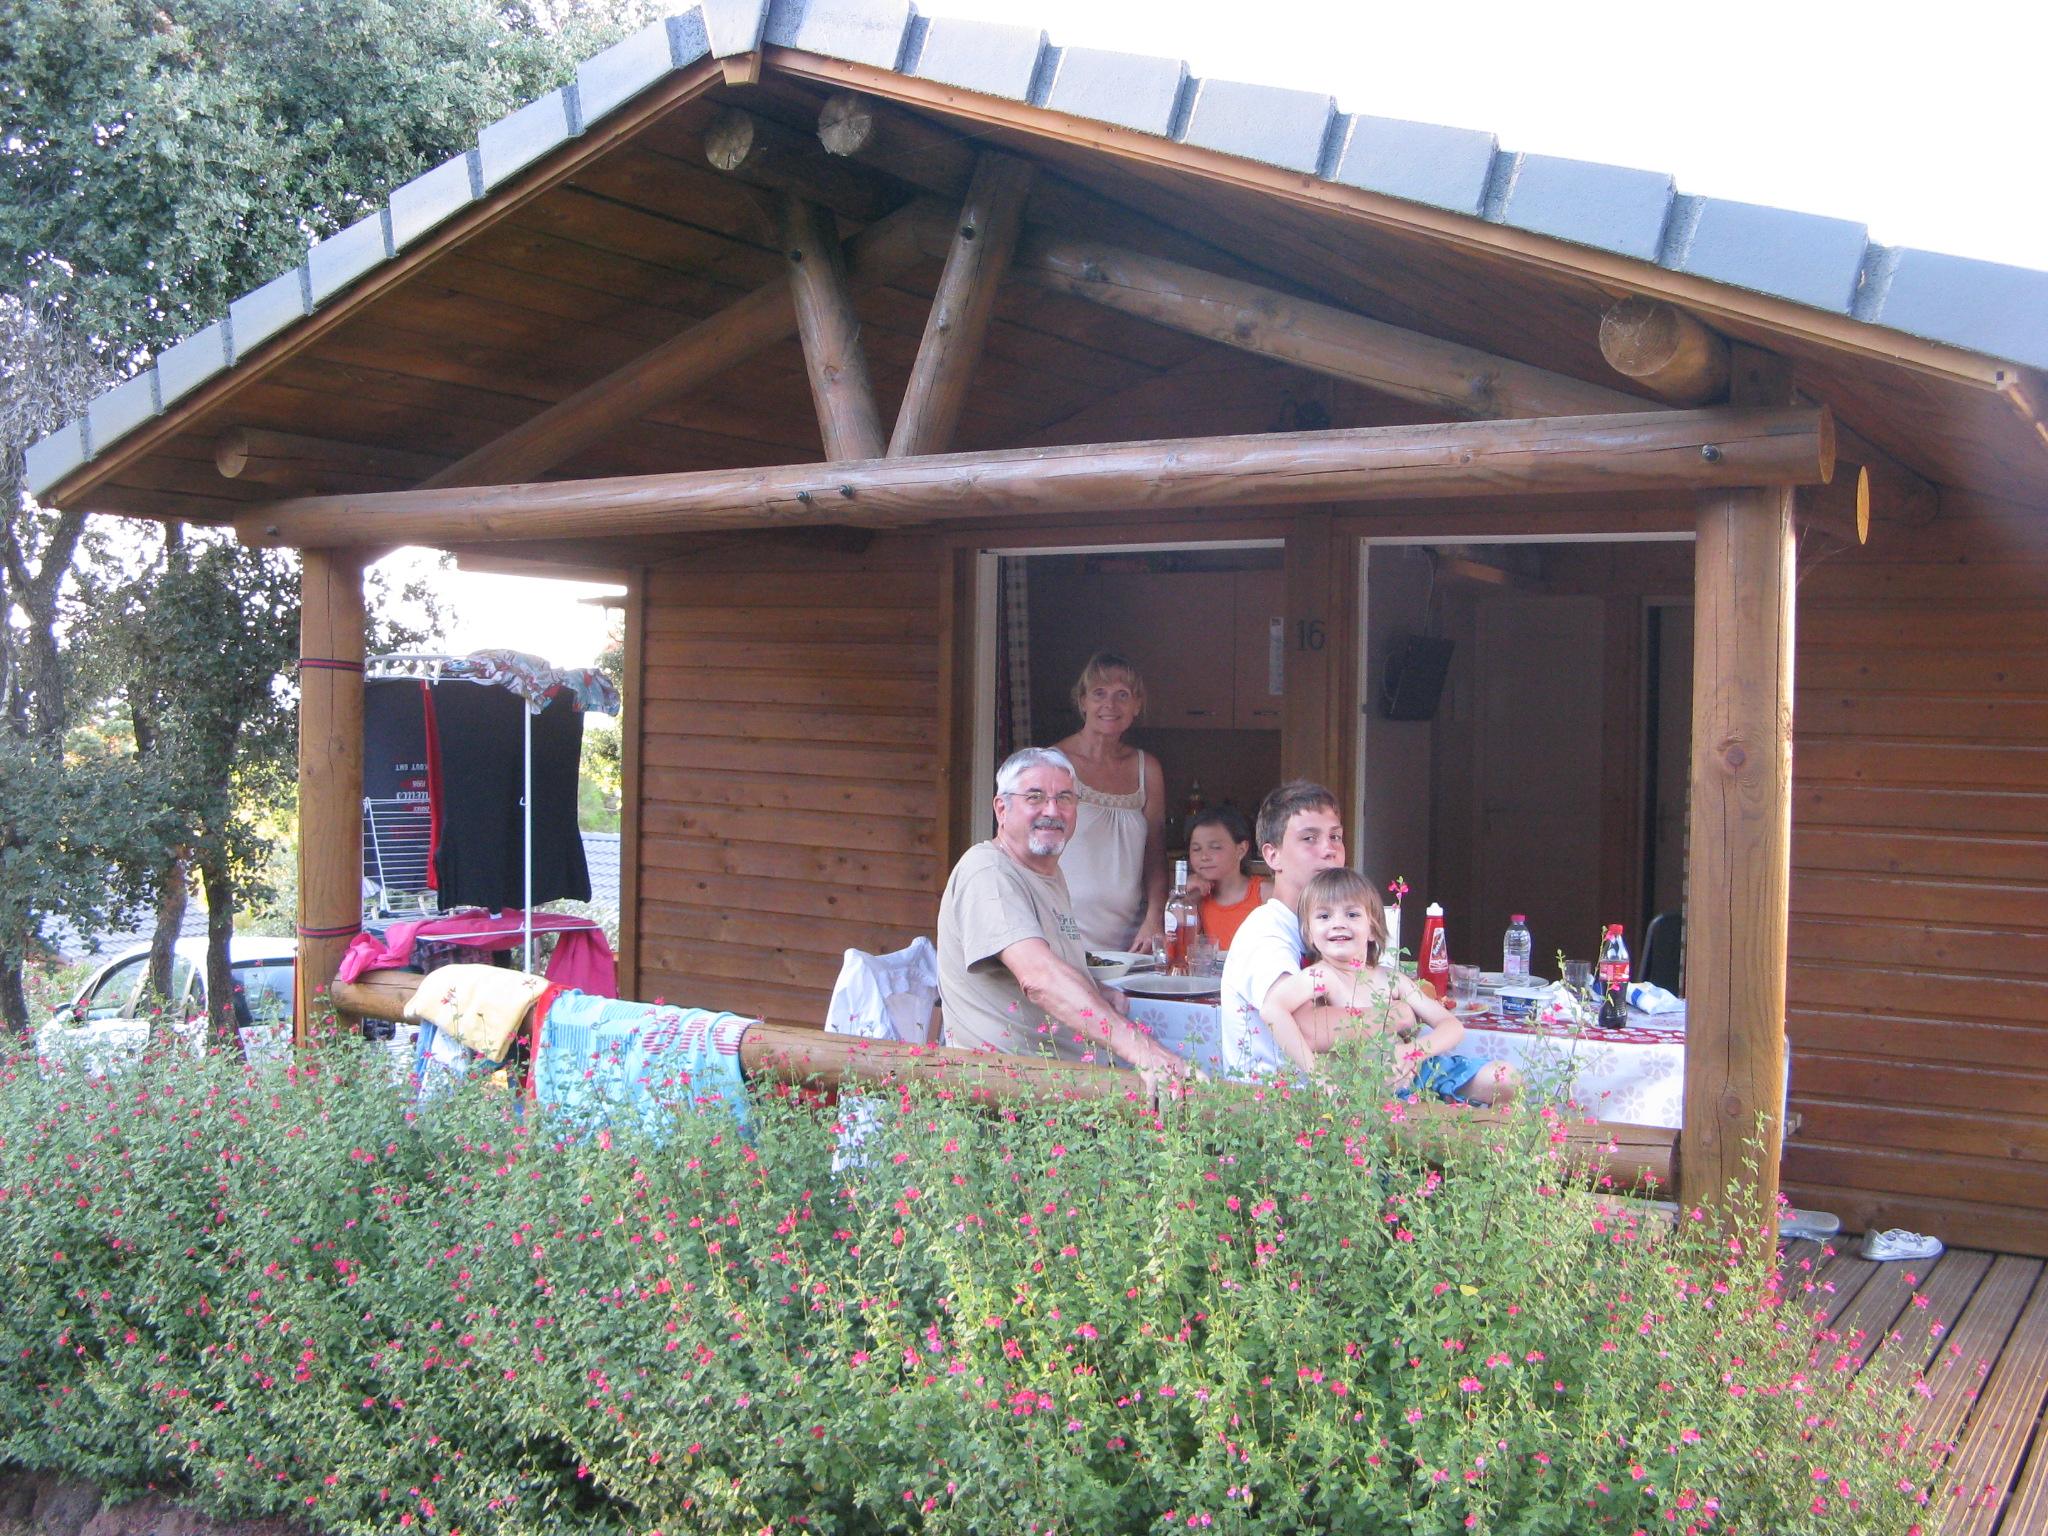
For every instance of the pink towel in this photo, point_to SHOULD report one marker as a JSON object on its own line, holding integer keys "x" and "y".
{"x": 582, "y": 958}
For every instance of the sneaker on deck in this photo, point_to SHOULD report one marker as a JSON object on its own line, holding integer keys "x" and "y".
{"x": 1898, "y": 1243}
{"x": 1815, "y": 1224}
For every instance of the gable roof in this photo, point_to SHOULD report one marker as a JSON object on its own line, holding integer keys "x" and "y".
{"x": 1824, "y": 264}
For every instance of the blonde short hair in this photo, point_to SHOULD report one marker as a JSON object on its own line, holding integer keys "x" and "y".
{"x": 1107, "y": 666}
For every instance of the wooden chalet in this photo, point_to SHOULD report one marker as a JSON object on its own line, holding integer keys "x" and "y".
{"x": 852, "y": 339}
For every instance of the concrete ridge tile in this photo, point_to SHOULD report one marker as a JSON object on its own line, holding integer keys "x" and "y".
{"x": 989, "y": 58}
{"x": 182, "y": 368}
{"x": 1132, "y": 90}
{"x": 519, "y": 138}
{"x": 1420, "y": 162}
{"x": 859, "y": 31}
{"x": 1268, "y": 123}
{"x": 50, "y": 458}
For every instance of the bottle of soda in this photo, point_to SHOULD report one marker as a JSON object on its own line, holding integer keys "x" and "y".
{"x": 1514, "y": 951}
{"x": 1613, "y": 979}
{"x": 1183, "y": 922}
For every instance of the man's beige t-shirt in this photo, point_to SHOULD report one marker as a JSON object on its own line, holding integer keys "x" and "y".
{"x": 992, "y": 902}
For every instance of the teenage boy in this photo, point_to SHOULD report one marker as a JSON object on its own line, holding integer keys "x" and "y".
{"x": 1299, "y": 833}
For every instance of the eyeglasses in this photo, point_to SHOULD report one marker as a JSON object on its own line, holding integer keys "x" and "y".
{"x": 1037, "y": 799}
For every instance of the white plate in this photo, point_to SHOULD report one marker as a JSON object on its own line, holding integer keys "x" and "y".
{"x": 1495, "y": 979}
{"x": 1155, "y": 984}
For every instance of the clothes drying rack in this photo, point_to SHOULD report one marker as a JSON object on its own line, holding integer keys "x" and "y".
{"x": 429, "y": 667}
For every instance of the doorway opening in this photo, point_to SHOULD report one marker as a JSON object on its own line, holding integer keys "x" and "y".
{"x": 1525, "y": 733}
{"x": 1202, "y": 623}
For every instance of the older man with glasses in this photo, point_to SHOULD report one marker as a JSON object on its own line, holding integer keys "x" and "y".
{"x": 1013, "y": 974}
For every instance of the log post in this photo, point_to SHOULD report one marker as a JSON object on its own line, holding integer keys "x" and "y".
{"x": 962, "y": 307}
{"x": 331, "y": 647}
{"x": 830, "y": 330}
{"x": 1739, "y": 864}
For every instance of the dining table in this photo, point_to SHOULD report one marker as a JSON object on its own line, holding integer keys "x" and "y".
{"x": 1634, "y": 1075}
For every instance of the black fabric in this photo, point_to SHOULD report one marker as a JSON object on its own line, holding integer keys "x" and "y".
{"x": 395, "y": 768}
{"x": 479, "y": 862}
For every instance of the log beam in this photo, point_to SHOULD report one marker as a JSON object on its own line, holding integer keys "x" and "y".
{"x": 1614, "y": 1156}
{"x": 1681, "y": 359}
{"x": 1660, "y": 450}
{"x": 879, "y": 253}
{"x": 1666, "y": 350}
{"x": 983, "y": 240}
{"x": 834, "y": 362}
{"x": 331, "y": 651}
{"x": 1389, "y": 359}
{"x": 768, "y": 154}
{"x": 299, "y": 462}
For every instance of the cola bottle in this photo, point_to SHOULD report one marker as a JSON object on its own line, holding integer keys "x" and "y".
{"x": 1612, "y": 979}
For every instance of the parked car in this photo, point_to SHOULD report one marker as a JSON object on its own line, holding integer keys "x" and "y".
{"x": 103, "y": 1020}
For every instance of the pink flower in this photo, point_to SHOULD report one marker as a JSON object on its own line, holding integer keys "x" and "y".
{"x": 1469, "y": 1384}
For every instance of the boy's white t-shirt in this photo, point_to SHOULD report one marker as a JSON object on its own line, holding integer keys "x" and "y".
{"x": 1267, "y": 948}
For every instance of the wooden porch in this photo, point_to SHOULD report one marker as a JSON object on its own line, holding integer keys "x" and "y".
{"x": 1974, "y": 1325}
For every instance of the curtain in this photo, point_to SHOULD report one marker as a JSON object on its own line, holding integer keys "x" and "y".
{"x": 1013, "y": 656}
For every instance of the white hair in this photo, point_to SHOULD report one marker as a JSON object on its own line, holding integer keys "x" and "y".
{"x": 1024, "y": 759}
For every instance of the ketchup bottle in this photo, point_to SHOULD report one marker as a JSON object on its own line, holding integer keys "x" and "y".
{"x": 1435, "y": 964}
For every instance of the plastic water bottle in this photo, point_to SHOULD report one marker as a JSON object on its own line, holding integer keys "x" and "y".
{"x": 1514, "y": 950}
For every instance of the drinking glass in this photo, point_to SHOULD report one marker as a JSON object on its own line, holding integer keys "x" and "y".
{"x": 1464, "y": 983}
{"x": 1578, "y": 975}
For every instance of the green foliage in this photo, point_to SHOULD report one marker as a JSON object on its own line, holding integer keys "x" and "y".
{"x": 600, "y": 787}
{"x": 158, "y": 160}
{"x": 297, "y": 1295}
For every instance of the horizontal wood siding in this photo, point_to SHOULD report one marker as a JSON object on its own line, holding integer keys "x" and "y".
{"x": 789, "y": 765}
{"x": 1917, "y": 998}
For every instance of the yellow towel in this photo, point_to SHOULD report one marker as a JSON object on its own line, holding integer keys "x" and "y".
{"x": 480, "y": 1005}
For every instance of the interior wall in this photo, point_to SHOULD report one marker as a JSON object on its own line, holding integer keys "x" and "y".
{"x": 1081, "y": 604}
{"x": 1392, "y": 836}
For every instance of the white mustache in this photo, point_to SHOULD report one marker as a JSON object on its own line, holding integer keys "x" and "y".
{"x": 1048, "y": 824}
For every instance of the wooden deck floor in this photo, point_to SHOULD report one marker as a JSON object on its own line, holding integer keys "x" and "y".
{"x": 1986, "y": 1369}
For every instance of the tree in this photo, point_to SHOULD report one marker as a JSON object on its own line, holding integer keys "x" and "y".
{"x": 156, "y": 160}
{"x": 160, "y": 157}
{"x": 74, "y": 836}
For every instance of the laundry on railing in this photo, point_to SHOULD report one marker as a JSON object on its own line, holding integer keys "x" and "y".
{"x": 582, "y": 959}
{"x": 599, "y": 1059}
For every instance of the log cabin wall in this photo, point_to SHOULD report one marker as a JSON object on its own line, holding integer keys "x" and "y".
{"x": 789, "y": 769}
{"x": 1917, "y": 996}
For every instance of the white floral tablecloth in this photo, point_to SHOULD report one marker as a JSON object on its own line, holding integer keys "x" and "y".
{"x": 1634, "y": 1075}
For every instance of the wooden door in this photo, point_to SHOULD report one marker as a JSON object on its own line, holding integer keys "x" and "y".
{"x": 1537, "y": 670}
{"x": 1259, "y": 675}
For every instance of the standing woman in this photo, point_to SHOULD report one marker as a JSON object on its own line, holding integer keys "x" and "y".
{"x": 1115, "y": 864}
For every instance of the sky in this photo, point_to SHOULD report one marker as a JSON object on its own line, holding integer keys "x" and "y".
{"x": 1921, "y": 121}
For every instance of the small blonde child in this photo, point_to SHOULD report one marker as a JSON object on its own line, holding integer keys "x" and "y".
{"x": 1344, "y": 928}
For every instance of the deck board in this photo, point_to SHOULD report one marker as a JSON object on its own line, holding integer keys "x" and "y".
{"x": 1973, "y": 1327}
{"x": 2008, "y": 1412}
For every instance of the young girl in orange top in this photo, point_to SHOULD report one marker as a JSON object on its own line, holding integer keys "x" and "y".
{"x": 1218, "y": 843}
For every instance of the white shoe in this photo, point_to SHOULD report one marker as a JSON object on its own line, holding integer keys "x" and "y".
{"x": 1817, "y": 1224}
{"x": 1898, "y": 1243}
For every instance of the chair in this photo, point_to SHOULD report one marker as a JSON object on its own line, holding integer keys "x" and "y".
{"x": 1664, "y": 951}
{"x": 879, "y": 997}
{"x": 886, "y": 997}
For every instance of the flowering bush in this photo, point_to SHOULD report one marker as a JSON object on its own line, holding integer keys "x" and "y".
{"x": 290, "y": 1292}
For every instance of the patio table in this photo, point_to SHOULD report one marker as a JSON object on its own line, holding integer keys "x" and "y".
{"x": 1634, "y": 1075}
